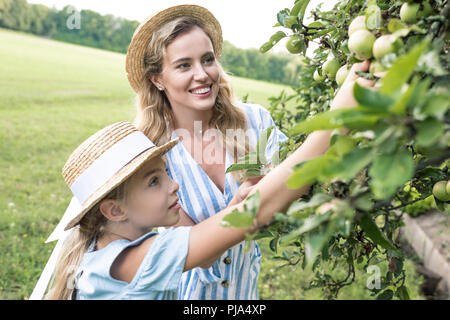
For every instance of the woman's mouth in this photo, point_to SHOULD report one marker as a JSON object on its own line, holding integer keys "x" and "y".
{"x": 202, "y": 92}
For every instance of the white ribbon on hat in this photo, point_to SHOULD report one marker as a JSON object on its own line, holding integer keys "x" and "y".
{"x": 95, "y": 176}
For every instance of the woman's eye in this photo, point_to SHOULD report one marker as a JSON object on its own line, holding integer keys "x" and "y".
{"x": 183, "y": 66}
{"x": 209, "y": 60}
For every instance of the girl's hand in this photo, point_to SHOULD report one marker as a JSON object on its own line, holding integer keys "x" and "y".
{"x": 344, "y": 98}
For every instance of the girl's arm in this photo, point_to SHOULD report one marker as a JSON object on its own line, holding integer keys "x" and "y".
{"x": 241, "y": 194}
{"x": 208, "y": 239}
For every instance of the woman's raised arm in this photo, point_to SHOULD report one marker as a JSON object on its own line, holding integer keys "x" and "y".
{"x": 209, "y": 239}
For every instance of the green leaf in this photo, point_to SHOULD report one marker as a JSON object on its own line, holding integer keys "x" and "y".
{"x": 373, "y": 17}
{"x": 373, "y": 100}
{"x": 312, "y": 222}
{"x": 374, "y": 233}
{"x": 296, "y": 9}
{"x": 261, "y": 145}
{"x": 321, "y": 121}
{"x": 400, "y": 105}
{"x": 308, "y": 172}
{"x": 357, "y": 118}
{"x": 266, "y": 47}
{"x": 351, "y": 163}
{"x": 429, "y": 131}
{"x": 316, "y": 24}
{"x": 274, "y": 39}
{"x": 243, "y": 166}
{"x": 386, "y": 295}
{"x": 395, "y": 25}
{"x": 402, "y": 69}
{"x": 251, "y": 173}
{"x": 302, "y": 10}
{"x": 389, "y": 172}
{"x": 430, "y": 63}
{"x": 261, "y": 234}
{"x": 237, "y": 219}
{"x": 245, "y": 218}
{"x": 437, "y": 105}
{"x": 313, "y": 170}
{"x": 281, "y": 15}
{"x": 277, "y": 37}
{"x": 274, "y": 244}
{"x": 386, "y": 139}
{"x": 364, "y": 202}
{"x": 402, "y": 293}
{"x": 315, "y": 240}
{"x": 342, "y": 145}
{"x": 351, "y": 118}
{"x": 316, "y": 200}
{"x": 420, "y": 95}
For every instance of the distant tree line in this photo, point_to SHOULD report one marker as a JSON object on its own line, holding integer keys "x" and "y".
{"x": 112, "y": 33}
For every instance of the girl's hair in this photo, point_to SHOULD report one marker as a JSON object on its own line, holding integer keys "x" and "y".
{"x": 91, "y": 227}
{"x": 154, "y": 113}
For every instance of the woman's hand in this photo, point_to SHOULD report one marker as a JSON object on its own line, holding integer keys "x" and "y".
{"x": 244, "y": 190}
{"x": 344, "y": 98}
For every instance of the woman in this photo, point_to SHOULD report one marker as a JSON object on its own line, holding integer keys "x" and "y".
{"x": 183, "y": 92}
{"x": 172, "y": 64}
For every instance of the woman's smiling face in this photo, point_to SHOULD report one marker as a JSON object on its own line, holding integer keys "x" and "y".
{"x": 190, "y": 74}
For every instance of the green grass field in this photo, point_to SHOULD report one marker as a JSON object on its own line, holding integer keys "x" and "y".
{"x": 53, "y": 96}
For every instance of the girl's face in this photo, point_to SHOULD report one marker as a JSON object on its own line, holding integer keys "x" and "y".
{"x": 190, "y": 74}
{"x": 152, "y": 199}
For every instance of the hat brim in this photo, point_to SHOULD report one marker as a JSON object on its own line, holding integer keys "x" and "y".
{"x": 124, "y": 173}
{"x": 134, "y": 64}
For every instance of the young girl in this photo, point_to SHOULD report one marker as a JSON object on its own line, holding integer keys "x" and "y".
{"x": 173, "y": 65}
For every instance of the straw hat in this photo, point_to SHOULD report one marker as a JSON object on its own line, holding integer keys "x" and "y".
{"x": 105, "y": 160}
{"x": 143, "y": 33}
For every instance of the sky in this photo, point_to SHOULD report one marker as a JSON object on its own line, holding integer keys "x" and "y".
{"x": 245, "y": 23}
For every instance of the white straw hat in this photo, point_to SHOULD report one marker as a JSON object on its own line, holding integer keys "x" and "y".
{"x": 105, "y": 160}
{"x": 142, "y": 35}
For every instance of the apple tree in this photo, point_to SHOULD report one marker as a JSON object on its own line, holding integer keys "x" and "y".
{"x": 395, "y": 153}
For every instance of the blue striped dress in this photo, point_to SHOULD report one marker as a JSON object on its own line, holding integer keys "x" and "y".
{"x": 235, "y": 273}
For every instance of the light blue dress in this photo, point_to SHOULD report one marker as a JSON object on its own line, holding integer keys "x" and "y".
{"x": 235, "y": 274}
{"x": 157, "y": 278}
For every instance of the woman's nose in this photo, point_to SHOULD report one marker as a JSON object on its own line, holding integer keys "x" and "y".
{"x": 200, "y": 73}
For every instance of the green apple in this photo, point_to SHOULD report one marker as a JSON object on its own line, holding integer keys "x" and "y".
{"x": 317, "y": 77}
{"x": 359, "y": 23}
{"x": 330, "y": 67}
{"x": 342, "y": 74}
{"x": 383, "y": 45}
{"x": 376, "y": 67}
{"x": 409, "y": 12}
{"x": 448, "y": 187}
{"x": 440, "y": 191}
{"x": 295, "y": 44}
{"x": 361, "y": 43}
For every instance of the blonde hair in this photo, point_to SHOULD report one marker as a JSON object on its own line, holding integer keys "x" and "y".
{"x": 154, "y": 114}
{"x": 91, "y": 226}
